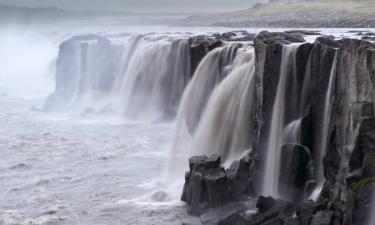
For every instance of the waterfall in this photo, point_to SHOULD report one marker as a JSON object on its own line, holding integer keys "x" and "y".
{"x": 275, "y": 139}
{"x": 138, "y": 77}
{"x": 292, "y": 132}
{"x": 323, "y": 140}
{"x": 155, "y": 78}
{"x": 210, "y": 72}
{"x": 224, "y": 126}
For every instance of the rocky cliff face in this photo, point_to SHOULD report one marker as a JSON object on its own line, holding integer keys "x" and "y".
{"x": 341, "y": 73}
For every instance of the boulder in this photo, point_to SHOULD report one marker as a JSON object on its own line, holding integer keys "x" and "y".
{"x": 209, "y": 186}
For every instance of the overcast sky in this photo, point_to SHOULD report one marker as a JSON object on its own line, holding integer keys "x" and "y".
{"x": 142, "y": 5}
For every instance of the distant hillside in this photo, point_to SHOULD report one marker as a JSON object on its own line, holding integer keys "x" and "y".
{"x": 297, "y": 13}
{"x": 19, "y": 14}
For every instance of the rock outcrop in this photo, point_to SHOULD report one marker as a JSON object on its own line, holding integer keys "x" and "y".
{"x": 341, "y": 173}
{"x": 209, "y": 186}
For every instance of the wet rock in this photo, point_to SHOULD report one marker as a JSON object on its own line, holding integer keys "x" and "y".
{"x": 265, "y": 203}
{"x": 279, "y": 37}
{"x": 322, "y": 218}
{"x": 294, "y": 170}
{"x": 306, "y": 210}
{"x": 199, "y": 48}
{"x": 235, "y": 219}
{"x": 210, "y": 186}
{"x": 280, "y": 212}
{"x": 268, "y": 50}
{"x": 368, "y": 38}
{"x": 234, "y": 213}
{"x": 240, "y": 35}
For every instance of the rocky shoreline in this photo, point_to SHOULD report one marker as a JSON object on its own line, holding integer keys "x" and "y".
{"x": 234, "y": 196}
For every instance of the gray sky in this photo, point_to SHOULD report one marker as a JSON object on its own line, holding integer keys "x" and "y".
{"x": 142, "y": 5}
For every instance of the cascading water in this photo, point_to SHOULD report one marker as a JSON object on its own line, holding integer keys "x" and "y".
{"x": 141, "y": 77}
{"x": 277, "y": 129}
{"x": 155, "y": 78}
{"x": 292, "y": 132}
{"x": 325, "y": 128}
{"x": 225, "y": 126}
{"x": 210, "y": 72}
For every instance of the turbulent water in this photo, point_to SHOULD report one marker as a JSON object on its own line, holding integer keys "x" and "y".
{"x": 72, "y": 169}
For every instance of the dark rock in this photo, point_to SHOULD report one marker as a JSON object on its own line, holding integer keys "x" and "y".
{"x": 281, "y": 38}
{"x": 277, "y": 213}
{"x": 199, "y": 48}
{"x": 303, "y": 32}
{"x": 368, "y": 38}
{"x": 294, "y": 171}
{"x": 234, "y": 219}
{"x": 240, "y": 35}
{"x": 265, "y": 203}
{"x": 237, "y": 212}
{"x": 322, "y": 218}
{"x": 306, "y": 210}
{"x": 209, "y": 186}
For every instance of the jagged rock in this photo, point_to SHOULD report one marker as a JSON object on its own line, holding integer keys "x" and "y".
{"x": 231, "y": 213}
{"x": 199, "y": 48}
{"x": 240, "y": 35}
{"x": 362, "y": 166}
{"x": 306, "y": 211}
{"x": 235, "y": 219}
{"x": 303, "y": 32}
{"x": 349, "y": 161}
{"x": 280, "y": 212}
{"x": 209, "y": 186}
{"x": 322, "y": 218}
{"x": 278, "y": 37}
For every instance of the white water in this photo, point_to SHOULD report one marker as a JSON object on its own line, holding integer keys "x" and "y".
{"x": 324, "y": 134}
{"x": 140, "y": 78}
{"x": 226, "y": 125}
{"x": 155, "y": 78}
{"x": 275, "y": 140}
{"x": 292, "y": 132}
{"x": 61, "y": 169}
{"x": 213, "y": 108}
{"x": 210, "y": 72}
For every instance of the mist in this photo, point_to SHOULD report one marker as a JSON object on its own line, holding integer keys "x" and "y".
{"x": 140, "y": 5}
